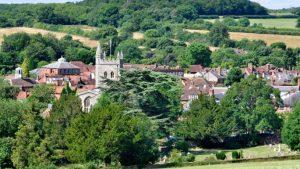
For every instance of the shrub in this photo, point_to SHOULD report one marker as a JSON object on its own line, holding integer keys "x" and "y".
{"x": 176, "y": 157}
{"x": 182, "y": 146}
{"x": 190, "y": 158}
{"x": 221, "y": 155}
{"x": 236, "y": 155}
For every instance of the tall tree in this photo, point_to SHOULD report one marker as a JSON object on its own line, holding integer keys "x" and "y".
{"x": 235, "y": 75}
{"x": 291, "y": 129}
{"x": 199, "y": 54}
{"x": 218, "y": 34}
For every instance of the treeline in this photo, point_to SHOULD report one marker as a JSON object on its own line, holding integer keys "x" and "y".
{"x": 40, "y": 50}
{"x": 118, "y": 13}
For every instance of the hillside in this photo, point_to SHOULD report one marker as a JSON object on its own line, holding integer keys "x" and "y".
{"x": 9, "y": 31}
{"x": 132, "y": 13}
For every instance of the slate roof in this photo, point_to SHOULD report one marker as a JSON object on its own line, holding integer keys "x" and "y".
{"x": 23, "y": 82}
{"x": 61, "y": 64}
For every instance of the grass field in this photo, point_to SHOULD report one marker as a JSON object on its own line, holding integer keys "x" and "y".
{"x": 291, "y": 41}
{"x": 248, "y": 153}
{"x": 8, "y": 31}
{"x": 289, "y": 164}
{"x": 272, "y": 22}
{"x": 277, "y": 23}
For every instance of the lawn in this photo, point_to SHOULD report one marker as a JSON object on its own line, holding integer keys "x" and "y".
{"x": 277, "y": 23}
{"x": 288, "y": 164}
{"x": 248, "y": 153}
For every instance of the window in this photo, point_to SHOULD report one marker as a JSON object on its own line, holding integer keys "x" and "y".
{"x": 105, "y": 75}
{"x": 112, "y": 74}
{"x": 87, "y": 104}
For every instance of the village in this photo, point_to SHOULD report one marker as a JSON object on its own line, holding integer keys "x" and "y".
{"x": 87, "y": 79}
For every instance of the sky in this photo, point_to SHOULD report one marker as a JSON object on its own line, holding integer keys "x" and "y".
{"x": 271, "y": 4}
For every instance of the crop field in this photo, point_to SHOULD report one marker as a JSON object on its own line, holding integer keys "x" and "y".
{"x": 277, "y": 23}
{"x": 8, "y": 31}
{"x": 289, "y": 40}
{"x": 288, "y": 164}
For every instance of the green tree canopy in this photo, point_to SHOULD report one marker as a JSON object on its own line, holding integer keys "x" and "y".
{"x": 291, "y": 129}
{"x": 234, "y": 75}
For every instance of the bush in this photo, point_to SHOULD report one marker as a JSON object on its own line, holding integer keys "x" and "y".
{"x": 190, "y": 158}
{"x": 221, "y": 155}
{"x": 176, "y": 157}
{"x": 236, "y": 155}
{"x": 182, "y": 146}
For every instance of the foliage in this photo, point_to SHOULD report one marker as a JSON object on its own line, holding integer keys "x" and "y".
{"x": 221, "y": 155}
{"x": 182, "y": 145}
{"x": 251, "y": 104}
{"x": 111, "y": 136}
{"x": 290, "y": 132}
{"x": 234, "y": 76}
{"x": 42, "y": 95}
{"x": 156, "y": 94}
{"x": 5, "y": 152}
{"x": 10, "y": 117}
{"x": 237, "y": 155}
{"x": 197, "y": 53}
{"x": 205, "y": 122}
{"x": 7, "y": 91}
{"x": 131, "y": 51}
{"x": 218, "y": 34}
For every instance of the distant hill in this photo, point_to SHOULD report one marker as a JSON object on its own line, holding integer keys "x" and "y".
{"x": 117, "y": 12}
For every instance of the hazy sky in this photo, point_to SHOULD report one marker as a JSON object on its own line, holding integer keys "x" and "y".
{"x": 272, "y": 4}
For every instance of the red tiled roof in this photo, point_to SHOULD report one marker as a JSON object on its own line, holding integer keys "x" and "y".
{"x": 196, "y": 68}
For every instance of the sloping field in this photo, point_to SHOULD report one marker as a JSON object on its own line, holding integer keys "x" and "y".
{"x": 289, "y": 40}
{"x": 277, "y": 23}
{"x": 8, "y": 31}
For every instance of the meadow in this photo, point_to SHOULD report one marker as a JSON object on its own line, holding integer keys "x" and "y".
{"x": 276, "y": 23}
{"x": 289, "y": 40}
{"x": 8, "y": 31}
{"x": 288, "y": 164}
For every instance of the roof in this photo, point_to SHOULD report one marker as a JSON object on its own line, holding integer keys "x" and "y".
{"x": 61, "y": 64}
{"x": 196, "y": 68}
{"x": 23, "y": 82}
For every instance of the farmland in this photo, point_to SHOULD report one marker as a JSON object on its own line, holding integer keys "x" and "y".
{"x": 8, "y": 31}
{"x": 276, "y": 23}
{"x": 289, "y": 40}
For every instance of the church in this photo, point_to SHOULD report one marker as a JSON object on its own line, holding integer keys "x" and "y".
{"x": 105, "y": 68}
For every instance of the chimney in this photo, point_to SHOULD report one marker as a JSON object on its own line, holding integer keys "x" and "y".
{"x": 211, "y": 92}
{"x": 250, "y": 66}
{"x": 219, "y": 71}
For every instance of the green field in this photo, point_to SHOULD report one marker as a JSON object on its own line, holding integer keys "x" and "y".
{"x": 271, "y": 23}
{"x": 288, "y": 164}
{"x": 248, "y": 153}
{"x": 277, "y": 23}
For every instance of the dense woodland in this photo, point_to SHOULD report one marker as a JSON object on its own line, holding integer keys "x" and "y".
{"x": 117, "y": 13}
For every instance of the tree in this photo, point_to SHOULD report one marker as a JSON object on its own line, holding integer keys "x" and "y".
{"x": 109, "y": 135}
{"x": 243, "y": 22}
{"x": 298, "y": 23}
{"x": 28, "y": 140}
{"x": 252, "y": 107}
{"x": 131, "y": 51}
{"x": 26, "y": 66}
{"x": 198, "y": 53}
{"x": 6, "y": 144}
{"x": 218, "y": 34}
{"x": 42, "y": 95}
{"x": 278, "y": 45}
{"x": 290, "y": 132}
{"x": 7, "y": 91}
{"x": 234, "y": 76}
{"x": 10, "y": 117}
{"x": 186, "y": 11}
{"x": 205, "y": 122}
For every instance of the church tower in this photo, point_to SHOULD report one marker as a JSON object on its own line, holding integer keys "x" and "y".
{"x": 107, "y": 68}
